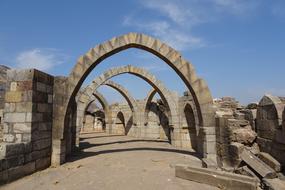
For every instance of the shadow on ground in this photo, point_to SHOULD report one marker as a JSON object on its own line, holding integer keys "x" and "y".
{"x": 85, "y": 145}
{"x": 80, "y": 153}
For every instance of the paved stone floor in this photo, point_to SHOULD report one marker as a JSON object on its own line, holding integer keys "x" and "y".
{"x": 115, "y": 162}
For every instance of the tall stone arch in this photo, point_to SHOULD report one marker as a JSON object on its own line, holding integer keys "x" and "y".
{"x": 183, "y": 68}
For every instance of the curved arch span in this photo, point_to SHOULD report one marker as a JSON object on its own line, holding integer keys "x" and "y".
{"x": 164, "y": 93}
{"x": 198, "y": 88}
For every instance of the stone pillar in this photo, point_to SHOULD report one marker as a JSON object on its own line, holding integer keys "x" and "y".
{"x": 58, "y": 140}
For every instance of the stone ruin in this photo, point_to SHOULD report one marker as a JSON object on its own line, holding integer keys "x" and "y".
{"x": 242, "y": 147}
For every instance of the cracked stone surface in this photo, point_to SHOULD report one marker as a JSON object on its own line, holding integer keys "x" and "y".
{"x": 116, "y": 162}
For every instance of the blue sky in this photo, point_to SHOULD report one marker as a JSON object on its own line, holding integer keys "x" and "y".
{"x": 237, "y": 46}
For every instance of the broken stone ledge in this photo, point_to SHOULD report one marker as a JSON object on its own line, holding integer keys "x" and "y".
{"x": 220, "y": 179}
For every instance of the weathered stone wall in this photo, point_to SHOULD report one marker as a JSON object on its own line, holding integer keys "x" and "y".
{"x": 3, "y": 81}
{"x": 156, "y": 125}
{"x": 124, "y": 124}
{"x": 27, "y": 124}
{"x": 235, "y": 131}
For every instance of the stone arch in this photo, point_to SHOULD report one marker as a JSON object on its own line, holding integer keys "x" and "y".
{"x": 102, "y": 100}
{"x": 125, "y": 93}
{"x": 191, "y": 126}
{"x": 83, "y": 103}
{"x": 84, "y": 100}
{"x": 100, "y": 120}
{"x": 80, "y": 116}
{"x": 271, "y": 135}
{"x": 120, "y": 123}
{"x": 269, "y": 116}
{"x": 198, "y": 88}
{"x": 139, "y": 72}
{"x": 161, "y": 116}
{"x": 148, "y": 100}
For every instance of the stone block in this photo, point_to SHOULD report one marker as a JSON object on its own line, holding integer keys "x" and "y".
{"x": 7, "y": 128}
{"x": 257, "y": 165}
{"x": 270, "y": 161}
{"x": 221, "y": 179}
{"x": 24, "y": 107}
{"x": 36, "y": 155}
{"x": 18, "y": 138}
{"x": 37, "y": 117}
{"x": 20, "y": 75}
{"x": 41, "y": 144}
{"x": 29, "y": 117}
{"x": 13, "y": 86}
{"x": 40, "y": 97}
{"x": 11, "y": 149}
{"x": 9, "y": 138}
{"x": 13, "y": 96}
{"x": 41, "y": 87}
{"x": 42, "y": 77}
{"x": 38, "y": 135}
{"x": 24, "y": 85}
{"x": 27, "y": 96}
{"x": 10, "y": 107}
{"x": 243, "y": 135}
{"x": 3, "y": 177}
{"x": 44, "y": 126}
{"x": 49, "y": 89}
{"x": 235, "y": 123}
{"x": 22, "y": 127}
{"x": 14, "y": 161}
{"x": 235, "y": 150}
{"x": 26, "y": 137}
{"x": 44, "y": 107}
{"x": 20, "y": 171}
{"x": 14, "y": 117}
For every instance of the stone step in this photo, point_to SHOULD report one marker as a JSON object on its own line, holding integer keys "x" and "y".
{"x": 258, "y": 165}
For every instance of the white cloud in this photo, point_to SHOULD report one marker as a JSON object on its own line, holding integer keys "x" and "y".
{"x": 176, "y": 38}
{"x": 41, "y": 59}
{"x": 173, "y": 21}
{"x": 175, "y": 11}
{"x": 239, "y": 8}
